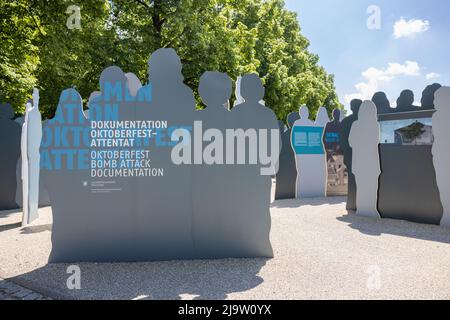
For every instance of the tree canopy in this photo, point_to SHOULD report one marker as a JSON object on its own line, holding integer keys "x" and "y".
{"x": 234, "y": 36}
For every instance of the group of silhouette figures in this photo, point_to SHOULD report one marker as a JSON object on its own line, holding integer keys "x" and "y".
{"x": 19, "y": 170}
{"x": 303, "y": 174}
{"x": 212, "y": 208}
{"x": 405, "y": 102}
{"x": 311, "y": 160}
{"x": 198, "y": 210}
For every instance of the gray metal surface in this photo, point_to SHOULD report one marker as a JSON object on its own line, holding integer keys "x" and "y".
{"x": 10, "y": 132}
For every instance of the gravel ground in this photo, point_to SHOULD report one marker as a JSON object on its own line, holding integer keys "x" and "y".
{"x": 321, "y": 252}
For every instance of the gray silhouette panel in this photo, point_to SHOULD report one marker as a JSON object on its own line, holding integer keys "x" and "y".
{"x": 441, "y": 150}
{"x": 64, "y": 172}
{"x": 287, "y": 172}
{"x": 10, "y": 133}
{"x": 250, "y": 198}
{"x": 200, "y": 208}
{"x": 347, "y": 150}
{"x": 44, "y": 199}
{"x": 364, "y": 139}
{"x": 407, "y": 184}
{"x": 164, "y": 202}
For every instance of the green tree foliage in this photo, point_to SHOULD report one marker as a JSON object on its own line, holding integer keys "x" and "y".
{"x": 233, "y": 36}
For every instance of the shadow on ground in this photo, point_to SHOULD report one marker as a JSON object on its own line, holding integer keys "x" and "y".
{"x": 315, "y": 202}
{"x": 373, "y": 227}
{"x": 174, "y": 280}
{"x": 36, "y": 229}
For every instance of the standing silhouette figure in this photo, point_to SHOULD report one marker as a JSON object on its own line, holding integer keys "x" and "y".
{"x": 286, "y": 177}
{"x": 347, "y": 150}
{"x": 441, "y": 149}
{"x": 253, "y": 181}
{"x": 164, "y": 202}
{"x": 310, "y": 156}
{"x": 215, "y": 227}
{"x": 24, "y": 169}
{"x": 364, "y": 140}
{"x": 33, "y": 136}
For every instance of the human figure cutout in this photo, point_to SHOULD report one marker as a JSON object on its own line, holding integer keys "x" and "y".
{"x": 347, "y": 150}
{"x": 252, "y": 180}
{"x": 405, "y": 102}
{"x": 25, "y": 167}
{"x": 336, "y": 177}
{"x": 64, "y": 171}
{"x": 310, "y": 161}
{"x": 215, "y": 227}
{"x": 33, "y": 122}
{"x": 364, "y": 140}
{"x": 165, "y": 199}
{"x": 113, "y": 196}
{"x": 10, "y": 152}
{"x": 441, "y": 149}
{"x": 427, "y": 101}
{"x": 286, "y": 177}
{"x": 382, "y": 103}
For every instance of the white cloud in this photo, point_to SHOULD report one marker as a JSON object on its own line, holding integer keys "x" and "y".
{"x": 433, "y": 75}
{"x": 374, "y": 76}
{"x": 403, "y": 28}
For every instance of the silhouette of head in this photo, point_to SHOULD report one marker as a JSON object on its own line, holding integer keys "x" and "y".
{"x": 252, "y": 89}
{"x": 70, "y": 108}
{"x": 427, "y": 100}
{"x": 381, "y": 101}
{"x": 336, "y": 115}
{"x": 304, "y": 113}
{"x": 133, "y": 82}
{"x": 109, "y": 78}
{"x": 322, "y": 116}
{"x": 291, "y": 118}
{"x": 406, "y": 99}
{"x": 165, "y": 66}
{"x": 6, "y": 111}
{"x": 442, "y": 99}
{"x": 367, "y": 111}
{"x": 354, "y": 105}
{"x": 215, "y": 88}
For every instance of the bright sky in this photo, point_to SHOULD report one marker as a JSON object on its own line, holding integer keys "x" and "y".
{"x": 410, "y": 50}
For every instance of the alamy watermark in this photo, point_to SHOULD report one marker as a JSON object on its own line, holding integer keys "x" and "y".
{"x": 74, "y": 20}
{"x": 374, "y": 20}
{"x": 74, "y": 280}
{"x": 374, "y": 279}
